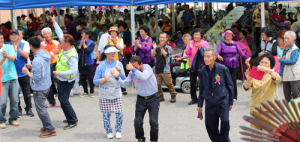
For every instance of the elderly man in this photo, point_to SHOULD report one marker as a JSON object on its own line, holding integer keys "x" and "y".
{"x": 53, "y": 48}
{"x": 162, "y": 66}
{"x": 22, "y": 55}
{"x": 10, "y": 84}
{"x": 290, "y": 67}
{"x": 153, "y": 31}
{"x": 147, "y": 98}
{"x": 216, "y": 88}
{"x": 66, "y": 69}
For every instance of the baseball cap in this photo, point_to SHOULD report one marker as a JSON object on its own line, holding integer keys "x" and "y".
{"x": 14, "y": 31}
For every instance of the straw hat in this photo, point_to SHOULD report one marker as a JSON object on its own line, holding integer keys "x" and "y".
{"x": 114, "y": 28}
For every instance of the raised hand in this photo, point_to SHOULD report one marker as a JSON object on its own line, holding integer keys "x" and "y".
{"x": 129, "y": 66}
{"x": 191, "y": 45}
{"x": 113, "y": 73}
{"x": 247, "y": 75}
{"x": 154, "y": 45}
{"x": 107, "y": 78}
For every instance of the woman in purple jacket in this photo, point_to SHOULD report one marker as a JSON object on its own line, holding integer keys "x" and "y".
{"x": 227, "y": 54}
{"x": 143, "y": 46}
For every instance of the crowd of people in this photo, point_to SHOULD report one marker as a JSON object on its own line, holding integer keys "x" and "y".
{"x": 112, "y": 62}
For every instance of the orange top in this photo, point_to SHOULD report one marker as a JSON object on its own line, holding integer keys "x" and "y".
{"x": 166, "y": 27}
{"x": 50, "y": 47}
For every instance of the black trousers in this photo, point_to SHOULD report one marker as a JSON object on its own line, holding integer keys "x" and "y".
{"x": 212, "y": 116}
{"x": 257, "y": 37}
{"x": 233, "y": 73}
{"x": 193, "y": 79}
{"x": 25, "y": 86}
{"x": 53, "y": 89}
{"x": 142, "y": 105}
{"x": 89, "y": 77}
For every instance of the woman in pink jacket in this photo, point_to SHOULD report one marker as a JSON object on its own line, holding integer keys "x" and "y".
{"x": 195, "y": 49}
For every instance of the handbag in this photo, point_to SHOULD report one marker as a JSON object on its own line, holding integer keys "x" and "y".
{"x": 127, "y": 50}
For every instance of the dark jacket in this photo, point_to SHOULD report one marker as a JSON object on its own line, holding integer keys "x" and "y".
{"x": 222, "y": 92}
{"x": 127, "y": 37}
{"x": 89, "y": 60}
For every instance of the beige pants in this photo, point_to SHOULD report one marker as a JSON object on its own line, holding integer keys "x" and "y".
{"x": 168, "y": 81}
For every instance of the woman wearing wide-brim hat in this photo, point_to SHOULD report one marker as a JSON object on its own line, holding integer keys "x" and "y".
{"x": 114, "y": 40}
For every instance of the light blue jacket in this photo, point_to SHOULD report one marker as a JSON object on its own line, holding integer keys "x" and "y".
{"x": 41, "y": 71}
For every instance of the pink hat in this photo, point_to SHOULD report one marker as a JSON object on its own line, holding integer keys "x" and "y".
{"x": 228, "y": 31}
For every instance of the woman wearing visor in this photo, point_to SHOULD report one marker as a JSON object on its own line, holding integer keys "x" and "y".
{"x": 227, "y": 54}
{"x": 110, "y": 95}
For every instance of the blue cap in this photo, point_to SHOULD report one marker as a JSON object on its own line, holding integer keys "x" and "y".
{"x": 111, "y": 49}
{"x": 207, "y": 13}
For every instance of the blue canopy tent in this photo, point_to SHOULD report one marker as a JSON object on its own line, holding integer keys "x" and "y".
{"x": 6, "y": 4}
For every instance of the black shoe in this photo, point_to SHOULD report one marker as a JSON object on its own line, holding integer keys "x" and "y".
{"x": 124, "y": 93}
{"x": 66, "y": 121}
{"x": 193, "y": 102}
{"x": 70, "y": 126}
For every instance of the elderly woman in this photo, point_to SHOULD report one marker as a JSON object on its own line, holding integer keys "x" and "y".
{"x": 143, "y": 46}
{"x": 110, "y": 96}
{"x": 227, "y": 54}
{"x": 85, "y": 48}
{"x": 265, "y": 89}
{"x": 267, "y": 45}
{"x": 114, "y": 40}
{"x": 181, "y": 56}
{"x": 290, "y": 67}
{"x": 195, "y": 50}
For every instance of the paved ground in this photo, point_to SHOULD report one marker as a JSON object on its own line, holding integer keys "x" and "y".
{"x": 178, "y": 121}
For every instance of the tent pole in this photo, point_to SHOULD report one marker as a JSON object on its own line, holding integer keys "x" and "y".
{"x": 262, "y": 14}
{"x": 58, "y": 17}
{"x": 156, "y": 23}
{"x": 44, "y": 17}
{"x": 173, "y": 19}
{"x": 195, "y": 13}
{"x": 90, "y": 18}
{"x": 12, "y": 19}
{"x": 132, "y": 24}
{"x": 113, "y": 15}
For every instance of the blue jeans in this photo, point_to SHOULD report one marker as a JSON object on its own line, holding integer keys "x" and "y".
{"x": 9, "y": 89}
{"x": 64, "y": 89}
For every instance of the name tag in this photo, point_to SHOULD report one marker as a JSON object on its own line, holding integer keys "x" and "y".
{"x": 51, "y": 53}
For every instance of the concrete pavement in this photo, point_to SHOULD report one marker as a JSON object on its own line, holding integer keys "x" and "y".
{"x": 178, "y": 121}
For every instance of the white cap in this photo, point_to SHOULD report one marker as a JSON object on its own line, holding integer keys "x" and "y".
{"x": 111, "y": 49}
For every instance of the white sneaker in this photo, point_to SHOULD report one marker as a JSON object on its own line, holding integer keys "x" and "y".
{"x": 118, "y": 135}
{"x": 234, "y": 100}
{"x": 110, "y": 136}
{"x": 2, "y": 126}
{"x": 82, "y": 95}
{"x": 91, "y": 95}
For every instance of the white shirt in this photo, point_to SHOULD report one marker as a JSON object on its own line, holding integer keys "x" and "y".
{"x": 103, "y": 41}
{"x": 61, "y": 22}
{"x": 24, "y": 23}
{"x": 26, "y": 47}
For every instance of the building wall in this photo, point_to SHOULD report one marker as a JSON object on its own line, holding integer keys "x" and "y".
{"x": 5, "y": 15}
